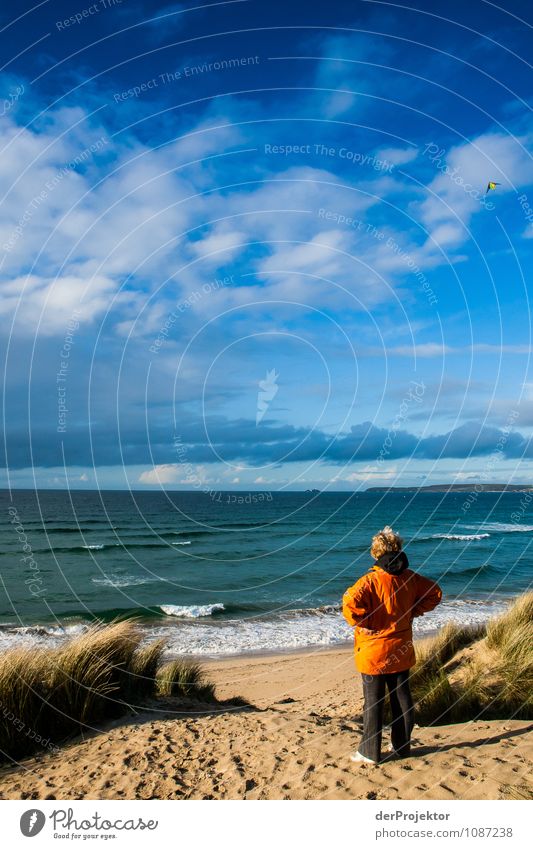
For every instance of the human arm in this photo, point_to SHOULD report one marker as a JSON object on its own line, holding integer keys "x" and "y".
{"x": 356, "y": 602}
{"x": 428, "y": 595}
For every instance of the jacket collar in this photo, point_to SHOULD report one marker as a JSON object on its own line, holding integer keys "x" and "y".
{"x": 393, "y": 563}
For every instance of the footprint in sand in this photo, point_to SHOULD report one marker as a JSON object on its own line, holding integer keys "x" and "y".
{"x": 238, "y": 764}
{"x": 135, "y": 761}
{"x": 445, "y": 787}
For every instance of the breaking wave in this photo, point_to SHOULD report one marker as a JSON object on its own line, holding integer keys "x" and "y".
{"x": 211, "y": 630}
{"x": 505, "y": 528}
{"x": 461, "y": 537}
{"x": 192, "y": 611}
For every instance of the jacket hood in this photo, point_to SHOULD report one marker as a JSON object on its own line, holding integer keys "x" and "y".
{"x": 393, "y": 562}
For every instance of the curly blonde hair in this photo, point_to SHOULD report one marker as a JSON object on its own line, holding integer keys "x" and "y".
{"x": 386, "y": 541}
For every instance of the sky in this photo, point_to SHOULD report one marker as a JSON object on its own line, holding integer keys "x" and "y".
{"x": 248, "y": 245}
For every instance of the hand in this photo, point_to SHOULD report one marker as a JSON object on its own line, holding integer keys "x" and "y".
{"x": 368, "y": 631}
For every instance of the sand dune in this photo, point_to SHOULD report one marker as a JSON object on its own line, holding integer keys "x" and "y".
{"x": 293, "y": 743}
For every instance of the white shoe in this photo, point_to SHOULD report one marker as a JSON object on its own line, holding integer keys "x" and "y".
{"x": 358, "y": 758}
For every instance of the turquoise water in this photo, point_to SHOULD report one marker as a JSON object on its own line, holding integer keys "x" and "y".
{"x": 218, "y": 577}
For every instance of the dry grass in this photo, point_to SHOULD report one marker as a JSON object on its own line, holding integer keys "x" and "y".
{"x": 494, "y": 682}
{"x": 49, "y": 695}
{"x": 89, "y": 677}
{"x": 179, "y": 678}
{"x": 432, "y": 692}
{"x": 145, "y": 663}
{"x": 435, "y": 652}
{"x": 521, "y": 613}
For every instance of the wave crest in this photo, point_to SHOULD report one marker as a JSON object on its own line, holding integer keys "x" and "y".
{"x": 461, "y": 537}
{"x": 505, "y": 528}
{"x": 192, "y": 611}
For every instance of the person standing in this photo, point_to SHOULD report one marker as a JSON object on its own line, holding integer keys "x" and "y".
{"x": 382, "y": 605}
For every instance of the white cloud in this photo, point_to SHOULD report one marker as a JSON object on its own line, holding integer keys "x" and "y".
{"x": 397, "y": 155}
{"x": 338, "y": 103}
{"x": 54, "y": 302}
{"x": 448, "y": 235}
{"x": 315, "y": 256}
{"x": 369, "y": 473}
{"x": 165, "y": 473}
{"x": 220, "y": 240}
{"x": 454, "y": 196}
{"x": 438, "y": 349}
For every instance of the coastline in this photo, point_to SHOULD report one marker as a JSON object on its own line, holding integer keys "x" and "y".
{"x": 222, "y": 661}
{"x": 215, "y": 637}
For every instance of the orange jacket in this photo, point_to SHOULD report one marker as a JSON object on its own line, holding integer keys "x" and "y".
{"x": 385, "y": 605}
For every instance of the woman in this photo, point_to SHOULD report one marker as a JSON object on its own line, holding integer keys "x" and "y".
{"x": 382, "y": 605}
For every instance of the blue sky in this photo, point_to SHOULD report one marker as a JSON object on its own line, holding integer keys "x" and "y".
{"x": 247, "y": 245}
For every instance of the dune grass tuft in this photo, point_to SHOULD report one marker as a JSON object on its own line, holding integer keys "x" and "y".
{"x": 144, "y": 666}
{"x": 182, "y": 678}
{"x": 432, "y": 692}
{"x": 519, "y": 614}
{"x": 47, "y": 695}
{"x": 435, "y": 652}
{"x": 89, "y": 677}
{"x": 495, "y": 682}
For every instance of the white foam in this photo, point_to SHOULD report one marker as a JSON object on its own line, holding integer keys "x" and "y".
{"x": 94, "y": 546}
{"x": 185, "y": 542}
{"x": 288, "y": 632}
{"x": 39, "y": 636}
{"x": 193, "y": 611}
{"x": 124, "y": 581}
{"x": 503, "y": 528}
{"x": 463, "y": 612}
{"x": 461, "y": 537}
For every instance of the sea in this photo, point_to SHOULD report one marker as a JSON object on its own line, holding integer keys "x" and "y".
{"x": 219, "y": 574}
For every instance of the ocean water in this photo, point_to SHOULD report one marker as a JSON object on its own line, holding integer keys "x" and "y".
{"x": 224, "y": 574}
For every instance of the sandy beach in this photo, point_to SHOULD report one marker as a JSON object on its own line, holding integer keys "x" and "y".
{"x": 292, "y": 743}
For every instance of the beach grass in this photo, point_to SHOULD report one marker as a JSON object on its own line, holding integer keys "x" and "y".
{"x": 144, "y": 667}
{"x": 180, "y": 678}
{"x": 494, "y": 680}
{"x": 520, "y": 613}
{"x": 48, "y": 695}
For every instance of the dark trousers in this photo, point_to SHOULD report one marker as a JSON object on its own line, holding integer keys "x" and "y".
{"x": 402, "y": 711}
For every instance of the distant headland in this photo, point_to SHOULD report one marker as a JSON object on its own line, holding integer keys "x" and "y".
{"x": 456, "y": 487}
